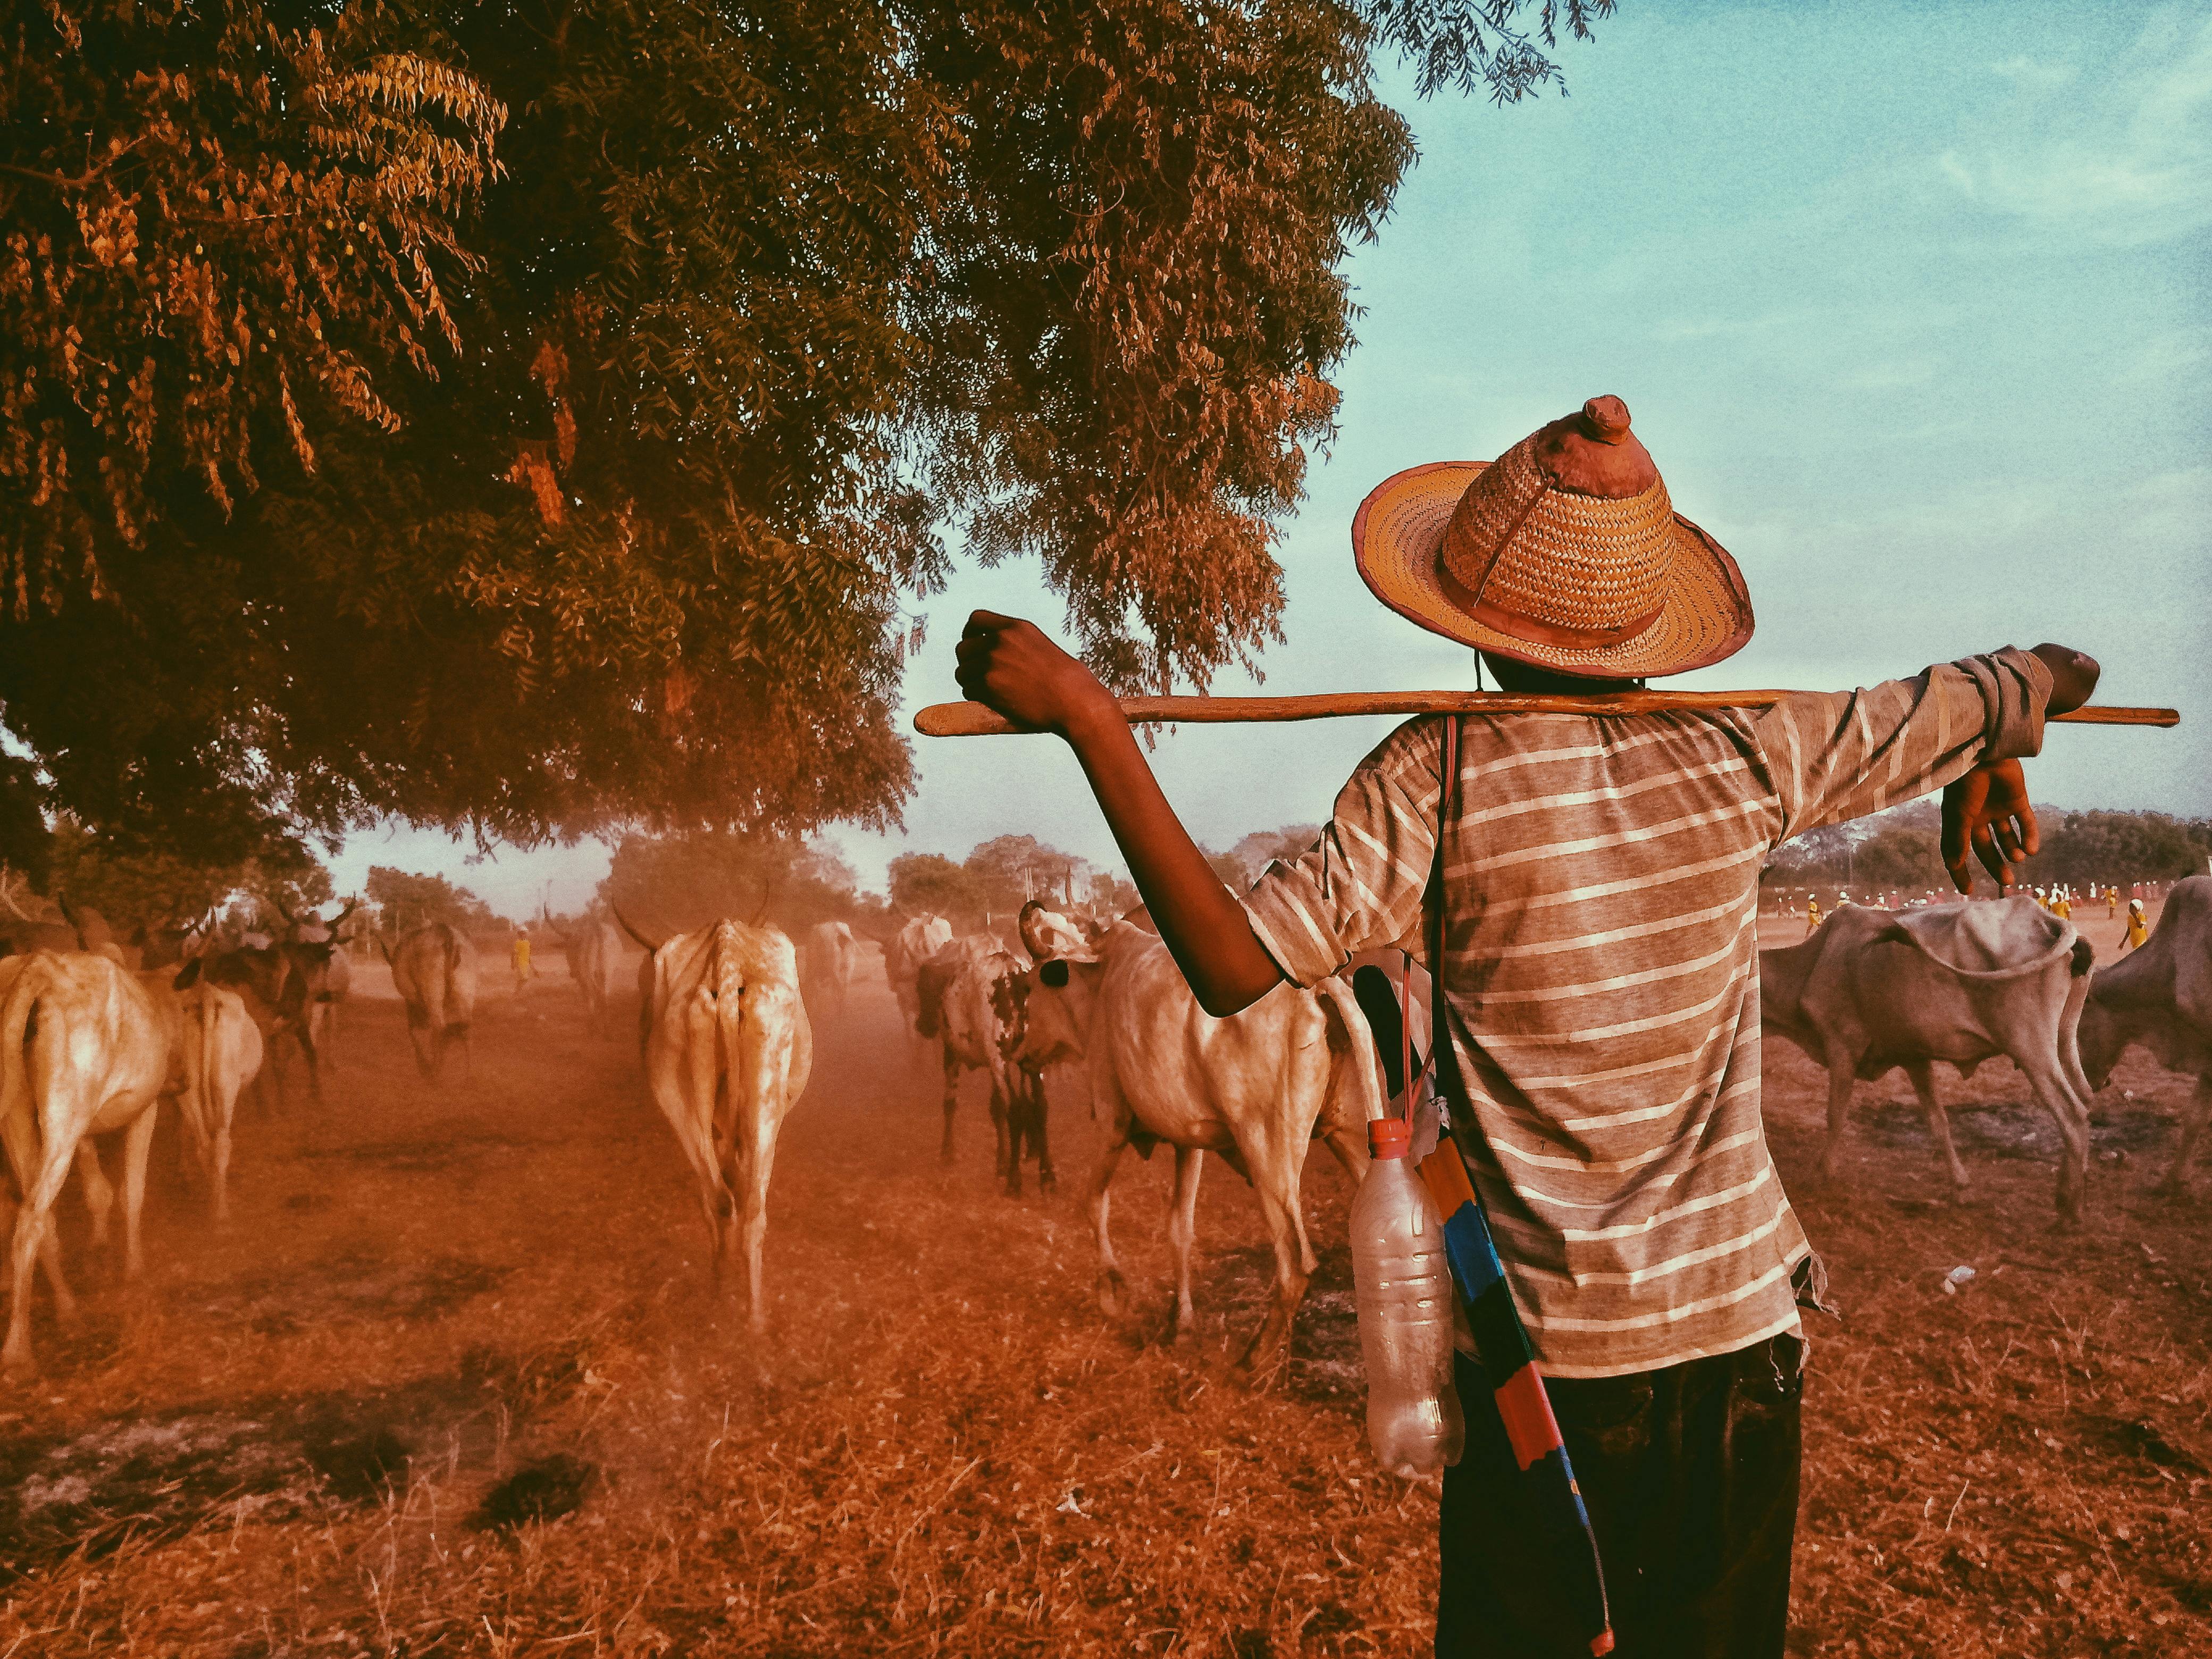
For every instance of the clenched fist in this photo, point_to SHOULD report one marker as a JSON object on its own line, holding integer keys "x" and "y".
{"x": 1009, "y": 665}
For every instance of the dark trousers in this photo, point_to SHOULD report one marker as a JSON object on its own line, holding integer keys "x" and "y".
{"x": 1690, "y": 1476}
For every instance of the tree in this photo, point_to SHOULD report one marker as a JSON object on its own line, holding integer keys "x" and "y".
{"x": 672, "y": 883}
{"x": 2083, "y": 848}
{"x": 931, "y": 883}
{"x": 404, "y": 900}
{"x": 1010, "y": 870}
{"x": 605, "y": 370}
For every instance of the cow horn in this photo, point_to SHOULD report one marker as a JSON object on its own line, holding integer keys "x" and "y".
{"x": 339, "y": 919}
{"x": 650, "y": 945}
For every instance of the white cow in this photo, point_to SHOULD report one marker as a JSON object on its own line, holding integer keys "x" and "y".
{"x": 1259, "y": 1088}
{"x": 1960, "y": 983}
{"x": 434, "y": 970}
{"x": 84, "y": 1050}
{"x": 220, "y": 1054}
{"x": 594, "y": 951}
{"x": 922, "y": 938}
{"x": 972, "y": 996}
{"x": 827, "y": 960}
{"x": 2160, "y": 996}
{"x": 727, "y": 1053}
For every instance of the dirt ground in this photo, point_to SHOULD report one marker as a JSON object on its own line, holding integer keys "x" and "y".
{"x": 455, "y": 1381}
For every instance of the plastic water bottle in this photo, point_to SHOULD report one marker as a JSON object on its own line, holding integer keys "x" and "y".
{"x": 1403, "y": 1290}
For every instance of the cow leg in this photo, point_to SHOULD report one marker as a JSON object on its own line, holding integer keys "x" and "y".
{"x": 99, "y": 1191}
{"x": 1183, "y": 1233}
{"x": 2176, "y": 1178}
{"x": 753, "y": 1178}
{"x": 1003, "y": 1129}
{"x": 1112, "y": 1289}
{"x": 1274, "y": 1181}
{"x": 1039, "y": 1116}
{"x": 314, "y": 1061}
{"x": 34, "y": 1229}
{"x": 1923, "y": 1074}
{"x": 2047, "y": 1082}
{"x": 951, "y": 1096}
{"x": 137, "y": 1148}
{"x": 467, "y": 1037}
{"x": 1840, "y": 1083}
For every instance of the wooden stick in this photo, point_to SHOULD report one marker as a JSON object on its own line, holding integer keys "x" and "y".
{"x": 974, "y": 720}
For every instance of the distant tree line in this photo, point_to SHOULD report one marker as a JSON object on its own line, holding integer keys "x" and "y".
{"x": 1901, "y": 851}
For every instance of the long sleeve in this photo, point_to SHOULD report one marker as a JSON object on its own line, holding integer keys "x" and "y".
{"x": 1359, "y": 887}
{"x": 1840, "y": 755}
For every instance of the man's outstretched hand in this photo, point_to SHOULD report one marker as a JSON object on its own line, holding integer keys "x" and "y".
{"x": 1986, "y": 813}
{"x": 1012, "y": 666}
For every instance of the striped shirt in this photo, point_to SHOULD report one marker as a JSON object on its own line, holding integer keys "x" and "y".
{"x": 1601, "y": 974}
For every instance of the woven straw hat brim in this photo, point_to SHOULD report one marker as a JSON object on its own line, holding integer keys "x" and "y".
{"x": 1400, "y": 528}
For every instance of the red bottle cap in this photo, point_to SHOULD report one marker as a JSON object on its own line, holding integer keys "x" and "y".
{"x": 1389, "y": 1137}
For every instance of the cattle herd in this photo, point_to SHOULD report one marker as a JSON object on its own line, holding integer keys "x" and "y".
{"x": 96, "y": 1032}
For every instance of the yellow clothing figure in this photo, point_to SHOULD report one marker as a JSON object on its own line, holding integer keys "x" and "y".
{"x": 2111, "y": 903}
{"x": 2137, "y": 930}
{"x": 2062, "y": 908}
{"x": 1812, "y": 915}
{"x": 521, "y": 954}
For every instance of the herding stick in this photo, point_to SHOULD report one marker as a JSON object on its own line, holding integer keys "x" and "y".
{"x": 974, "y": 719}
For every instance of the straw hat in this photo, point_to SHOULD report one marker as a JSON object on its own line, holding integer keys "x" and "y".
{"x": 1564, "y": 552}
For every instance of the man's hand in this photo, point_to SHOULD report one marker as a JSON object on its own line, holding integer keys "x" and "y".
{"x": 1987, "y": 811}
{"x": 1011, "y": 666}
{"x": 2073, "y": 676}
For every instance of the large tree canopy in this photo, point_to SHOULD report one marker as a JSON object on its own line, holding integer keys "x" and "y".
{"x": 540, "y": 415}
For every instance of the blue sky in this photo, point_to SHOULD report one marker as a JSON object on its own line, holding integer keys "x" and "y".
{"x": 1913, "y": 305}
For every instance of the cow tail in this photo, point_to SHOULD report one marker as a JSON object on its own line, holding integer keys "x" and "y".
{"x": 2069, "y": 1021}
{"x": 1354, "y": 1068}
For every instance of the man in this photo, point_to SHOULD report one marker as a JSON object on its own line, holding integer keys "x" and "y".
{"x": 1599, "y": 891}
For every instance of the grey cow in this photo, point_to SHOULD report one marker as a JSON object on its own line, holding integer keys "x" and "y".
{"x": 2160, "y": 996}
{"x": 1961, "y": 982}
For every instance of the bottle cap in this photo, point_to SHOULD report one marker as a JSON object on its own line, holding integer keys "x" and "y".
{"x": 1388, "y": 1137}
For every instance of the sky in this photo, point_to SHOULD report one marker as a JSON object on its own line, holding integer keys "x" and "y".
{"x": 1912, "y": 305}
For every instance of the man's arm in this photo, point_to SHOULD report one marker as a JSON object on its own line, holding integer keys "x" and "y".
{"x": 1011, "y": 666}
{"x": 1986, "y": 812}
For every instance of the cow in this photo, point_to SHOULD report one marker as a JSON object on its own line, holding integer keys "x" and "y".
{"x": 971, "y": 996}
{"x": 593, "y": 952}
{"x": 2160, "y": 995}
{"x": 727, "y": 1053}
{"x": 922, "y": 938}
{"x": 319, "y": 956}
{"x": 276, "y": 995}
{"x": 826, "y": 966}
{"x": 84, "y": 1050}
{"x": 220, "y": 1053}
{"x": 1259, "y": 1088}
{"x": 434, "y": 969}
{"x": 1960, "y": 983}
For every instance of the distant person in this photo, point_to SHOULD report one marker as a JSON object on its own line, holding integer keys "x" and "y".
{"x": 1812, "y": 915}
{"x": 524, "y": 973}
{"x": 2138, "y": 926}
{"x": 2112, "y": 902}
{"x": 2061, "y": 907}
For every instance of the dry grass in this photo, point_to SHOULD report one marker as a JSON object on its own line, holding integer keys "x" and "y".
{"x": 944, "y": 1447}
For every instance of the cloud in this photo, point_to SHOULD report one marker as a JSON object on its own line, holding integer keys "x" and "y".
{"x": 2130, "y": 160}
